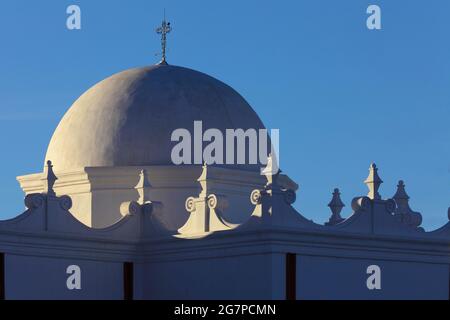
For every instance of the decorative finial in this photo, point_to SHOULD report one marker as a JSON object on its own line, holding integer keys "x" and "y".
{"x": 165, "y": 29}
{"x": 401, "y": 195}
{"x": 49, "y": 179}
{"x": 403, "y": 210}
{"x": 373, "y": 182}
{"x": 203, "y": 179}
{"x": 336, "y": 205}
{"x": 143, "y": 187}
{"x": 271, "y": 171}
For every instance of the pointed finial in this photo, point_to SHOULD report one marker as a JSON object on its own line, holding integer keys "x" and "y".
{"x": 401, "y": 198}
{"x": 49, "y": 179}
{"x": 403, "y": 211}
{"x": 204, "y": 173}
{"x": 401, "y": 192}
{"x": 163, "y": 30}
{"x": 143, "y": 187}
{"x": 271, "y": 171}
{"x": 373, "y": 182}
{"x": 203, "y": 179}
{"x": 336, "y": 205}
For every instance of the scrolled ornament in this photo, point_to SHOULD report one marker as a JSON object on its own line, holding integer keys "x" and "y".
{"x": 130, "y": 208}
{"x": 190, "y": 204}
{"x": 218, "y": 202}
{"x": 362, "y": 203}
{"x": 157, "y": 207}
{"x": 391, "y": 205}
{"x": 416, "y": 219}
{"x": 213, "y": 201}
{"x": 255, "y": 197}
{"x": 152, "y": 207}
{"x": 65, "y": 202}
{"x": 147, "y": 208}
{"x": 290, "y": 197}
{"x": 34, "y": 201}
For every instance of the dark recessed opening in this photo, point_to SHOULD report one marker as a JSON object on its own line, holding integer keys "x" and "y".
{"x": 291, "y": 276}
{"x": 128, "y": 280}
{"x": 2, "y": 276}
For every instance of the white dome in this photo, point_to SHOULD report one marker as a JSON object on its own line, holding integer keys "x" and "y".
{"x": 128, "y": 119}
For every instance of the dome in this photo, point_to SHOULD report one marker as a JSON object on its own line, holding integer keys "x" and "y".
{"x": 128, "y": 118}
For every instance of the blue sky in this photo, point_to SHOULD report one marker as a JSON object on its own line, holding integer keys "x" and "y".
{"x": 341, "y": 95}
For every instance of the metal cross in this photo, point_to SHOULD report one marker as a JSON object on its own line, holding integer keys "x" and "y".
{"x": 163, "y": 31}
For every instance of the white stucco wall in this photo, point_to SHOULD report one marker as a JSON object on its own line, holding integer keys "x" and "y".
{"x": 340, "y": 278}
{"x": 42, "y": 278}
{"x": 241, "y": 277}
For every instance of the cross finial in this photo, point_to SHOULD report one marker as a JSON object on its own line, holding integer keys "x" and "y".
{"x": 163, "y": 30}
